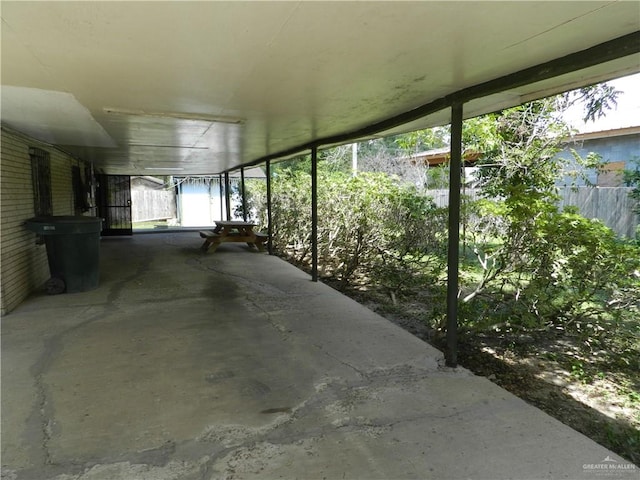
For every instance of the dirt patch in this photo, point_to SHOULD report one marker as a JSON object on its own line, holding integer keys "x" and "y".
{"x": 538, "y": 370}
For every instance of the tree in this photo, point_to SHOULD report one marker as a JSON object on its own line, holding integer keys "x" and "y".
{"x": 540, "y": 266}
{"x": 597, "y": 99}
{"x": 632, "y": 179}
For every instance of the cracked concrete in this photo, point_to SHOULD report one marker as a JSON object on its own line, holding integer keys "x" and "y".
{"x": 233, "y": 365}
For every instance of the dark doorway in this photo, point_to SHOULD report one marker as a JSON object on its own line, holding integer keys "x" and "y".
{"x": 114, "y": 204}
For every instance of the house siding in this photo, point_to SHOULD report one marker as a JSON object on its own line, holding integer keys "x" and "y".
{"x": 23, "y": 263}
{"x": 624, "y": 149}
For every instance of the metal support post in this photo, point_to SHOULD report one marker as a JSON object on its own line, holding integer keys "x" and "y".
{"x": 354, "y": 159}
{"x": 227, "y": 195}
{"x": 269, "y": 218}
{"x": 244, "y": 195}
{"x": 221, "y": 187}
{"x": 455, "y": 164}
{"x": 314, "y": 214}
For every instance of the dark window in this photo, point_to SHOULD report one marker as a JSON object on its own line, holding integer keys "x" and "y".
{"x": 79, "y": 190}
{"x": 41, "y": 178}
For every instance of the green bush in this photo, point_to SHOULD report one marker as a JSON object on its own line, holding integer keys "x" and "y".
{"x": 539, "y": 268}
{"x": 372, "y": 230}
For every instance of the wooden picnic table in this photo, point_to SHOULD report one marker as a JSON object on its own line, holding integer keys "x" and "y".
{"x": 232, "y": 231}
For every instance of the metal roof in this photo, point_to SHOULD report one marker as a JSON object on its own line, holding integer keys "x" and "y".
{"x": 203, "y": 87}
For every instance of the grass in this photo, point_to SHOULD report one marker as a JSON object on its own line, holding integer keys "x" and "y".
{"x": 150, "y": 225}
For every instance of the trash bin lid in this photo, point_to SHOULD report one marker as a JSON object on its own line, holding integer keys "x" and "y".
{"x": 64, "y": 224}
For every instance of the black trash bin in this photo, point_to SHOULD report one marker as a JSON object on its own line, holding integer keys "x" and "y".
{"x": 73, "y": 251}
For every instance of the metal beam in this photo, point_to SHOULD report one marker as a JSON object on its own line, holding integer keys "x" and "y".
{"x": 269, "y": 217}
{"x": 455, "y": 165}
{"x": 601, "y": 53}
{"x": 244, "y": 195}
{"x": 314, "y": 214}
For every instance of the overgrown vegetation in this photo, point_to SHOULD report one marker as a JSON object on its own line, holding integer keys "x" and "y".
{"x": 373, "y": 230}
{"x": 535, "y": 281}
{"x": 632, "y": 179}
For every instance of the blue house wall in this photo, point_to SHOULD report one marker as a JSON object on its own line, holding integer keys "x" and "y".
{"x": 611, "y": 148}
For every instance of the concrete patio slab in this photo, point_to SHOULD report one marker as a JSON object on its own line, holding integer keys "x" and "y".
{"x": 234, "y": 365}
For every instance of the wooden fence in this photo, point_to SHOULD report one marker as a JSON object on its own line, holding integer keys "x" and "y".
{"x": 147, "y": 205}
{"x": 612, "y": 205}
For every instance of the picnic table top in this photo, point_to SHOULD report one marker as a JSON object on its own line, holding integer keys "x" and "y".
{"x": 234, "y": 223}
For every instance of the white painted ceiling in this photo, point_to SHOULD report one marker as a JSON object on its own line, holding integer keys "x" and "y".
{"x": 203, "y": 87}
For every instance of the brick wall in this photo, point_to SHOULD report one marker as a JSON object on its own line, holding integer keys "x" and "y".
{"x": 23, "y": 263}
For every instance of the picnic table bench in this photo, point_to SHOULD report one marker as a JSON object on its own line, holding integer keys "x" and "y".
{"x": 233, "y": 231}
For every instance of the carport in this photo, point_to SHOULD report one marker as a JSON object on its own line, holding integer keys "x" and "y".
{"x": 213, "y": 87}
{"x": 180, "y": 366}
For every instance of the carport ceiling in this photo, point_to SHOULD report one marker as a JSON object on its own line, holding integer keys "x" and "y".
{"x": 204, "y": 87}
